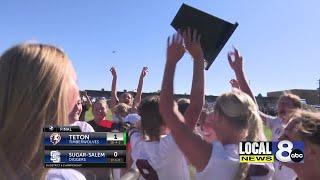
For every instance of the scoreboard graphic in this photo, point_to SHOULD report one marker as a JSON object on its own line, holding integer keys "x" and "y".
{"x": 67, "y": 147}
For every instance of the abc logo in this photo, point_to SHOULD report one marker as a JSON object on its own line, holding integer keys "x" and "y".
{"x": 296, "y": 155}
{"x": 286, "y": 153}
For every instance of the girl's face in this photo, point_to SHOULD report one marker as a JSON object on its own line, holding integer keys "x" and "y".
{"x": 126, "y": 98}
{"x": 100, "y": 111}
{"x": 291, "y": 134}
{"x": 284, "y": 108}
{"x": 76, "y": 111}
{"x": 207, "y": 130}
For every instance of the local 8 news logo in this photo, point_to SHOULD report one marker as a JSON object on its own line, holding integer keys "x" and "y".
{"x": 266, "y": 152}
{"x": 287, "y": 151}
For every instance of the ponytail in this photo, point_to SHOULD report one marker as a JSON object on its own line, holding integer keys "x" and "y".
{"x": 241, "y": 111}
{"x": 254, "y": 130}
{"x": 151, "y": 120}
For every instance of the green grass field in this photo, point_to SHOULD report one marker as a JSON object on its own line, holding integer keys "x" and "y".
{"x": 89, "y": 116}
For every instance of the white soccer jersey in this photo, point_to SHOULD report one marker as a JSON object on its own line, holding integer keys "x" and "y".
{"x": 283, "y": 172}
{"x": 224, "y": 164}
{"x": 164, "y": 157}
{"x": 84, "y": 126}
{"x": 276, "y": 125}
{"x": 63, "y": 174}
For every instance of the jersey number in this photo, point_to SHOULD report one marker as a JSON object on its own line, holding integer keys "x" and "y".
{"x": 146, "y": 170}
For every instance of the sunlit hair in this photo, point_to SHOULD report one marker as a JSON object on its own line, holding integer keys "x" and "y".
{"x": 183, "y": 104}
{"x": 101, "y": 101}
{"x": 307, "y": 125}
{"x": 151, "y": 120}
{"x": 242, "y": 113}
{"x": 121, "y": 109}
{"x": 35, "y": 88}
{"x": 296, "y": 101}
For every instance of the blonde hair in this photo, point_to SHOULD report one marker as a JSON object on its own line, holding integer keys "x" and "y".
{"x": 242, "y": 113}
{"x": 35, "y": 84}
{"x": 101, "y": 101}
{"x": 121, "y": 108}
{"x": 307, "y": 124}
{"x": 296, "y": 101}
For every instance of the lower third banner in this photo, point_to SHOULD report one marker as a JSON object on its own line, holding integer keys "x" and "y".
{"x": 79, "y": 158}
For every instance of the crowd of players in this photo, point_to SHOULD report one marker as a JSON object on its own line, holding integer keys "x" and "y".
{"x": 38, "y": 87}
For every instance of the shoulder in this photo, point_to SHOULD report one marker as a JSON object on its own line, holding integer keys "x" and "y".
{"x": 270, "y": 118}
{"x": 272, "y": 121}
{"x": 168, "y": 144}
{"x": 62, "y": 174}
{"x": 223, "y": 162}
{"x": 86, "y": 127}
{"x": 132, "y": 118}
{"x": 91, "y": 122}
{"x": 135, "y": 137}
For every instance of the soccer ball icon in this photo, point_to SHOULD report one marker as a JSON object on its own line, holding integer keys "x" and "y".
{"x": 51, "y": 128}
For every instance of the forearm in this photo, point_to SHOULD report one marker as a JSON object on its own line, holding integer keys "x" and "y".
{"x": 89, "y": 101}
{"x": 114, "y": 97}
{"x": 197, "y": 94}
{"x": 137, "y": 98}
{"x": 265, "y": 117}
{"x": 166, "y": 94}
{"x": 243, "y": 83}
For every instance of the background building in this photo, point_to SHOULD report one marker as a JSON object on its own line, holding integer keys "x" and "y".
{"x": 309, "y": 96}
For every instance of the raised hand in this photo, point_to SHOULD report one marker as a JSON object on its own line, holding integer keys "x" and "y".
{"x": 144, "y": 72}
{"x": 234, "y": 83}
{"x": 192, "y": 43}
{"x": 175, "y": 49}
{"x": 84, "y": 93}
{"x": 113, "y": 72}
{"x": 235, "y": 64}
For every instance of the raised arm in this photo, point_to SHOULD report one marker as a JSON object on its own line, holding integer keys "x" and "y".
{"x": 237, "y": 66}
{"x": 234, "y": 84}
{"x": 137, "y": 98}
{"x": 197, "y": 90}
{"x": 88, "y": 102}
{"x": 114, "y": 97}
{"x": 265, "y": 118}
{"x": 196, "y": 150}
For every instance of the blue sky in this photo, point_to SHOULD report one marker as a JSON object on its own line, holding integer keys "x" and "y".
{"x": 279, "y": 40}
